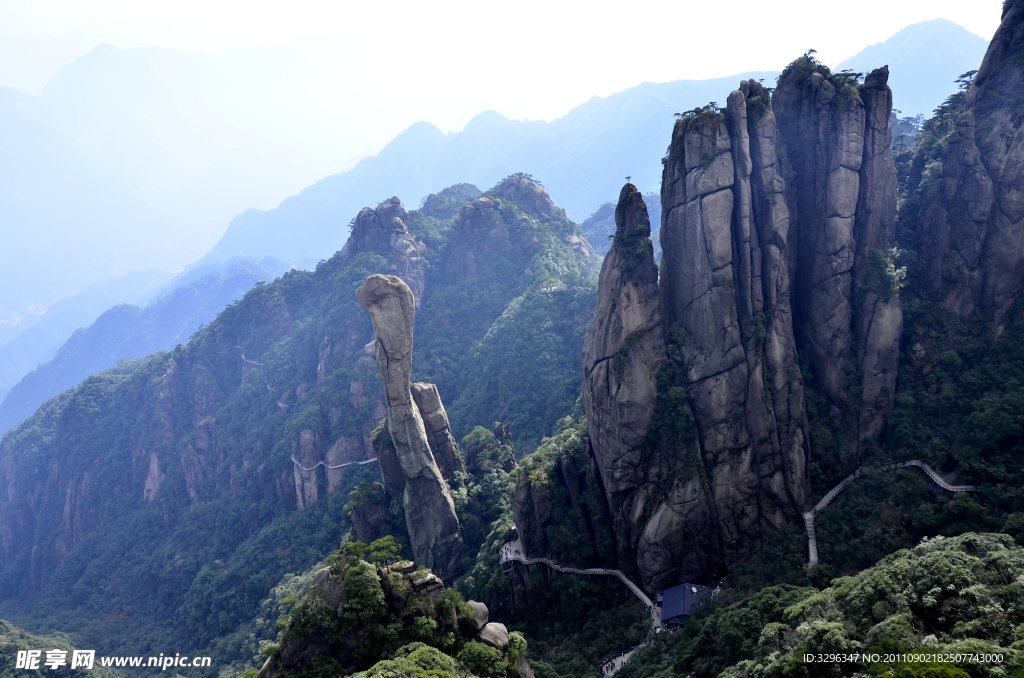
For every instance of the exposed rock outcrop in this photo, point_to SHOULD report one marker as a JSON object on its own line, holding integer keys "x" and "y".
{"x": 841, "y": 189}
{"x": 439, "y": 431}
{"x": 495, "y": 634}
{"x": 879, "y": 316}
{"x": 480, "y": 615}
{"x": 383, "y": 230}
{"x": 433, "y": 527}
{"x": 766, "y": 254}
{"x": 369, "y": 514}
{"x": 972, "y": 239}
{"x": 623, "y": 350}
{"x": 726, "y": 295}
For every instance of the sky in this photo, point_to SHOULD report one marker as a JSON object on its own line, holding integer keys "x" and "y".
{"x": 445, "y": 62}
{"x": 288, "y": 93}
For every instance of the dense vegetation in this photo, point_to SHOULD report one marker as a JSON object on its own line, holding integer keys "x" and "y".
{"x": 14, "y": 640}
{"x": 946, "y": 596}
{"x": 163, "y": 492}
{"x": 382, "y": 619}
{"x": 156, "y": 503}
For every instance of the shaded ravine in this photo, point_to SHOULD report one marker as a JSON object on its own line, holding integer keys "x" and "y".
{"x": 812, "y": 540}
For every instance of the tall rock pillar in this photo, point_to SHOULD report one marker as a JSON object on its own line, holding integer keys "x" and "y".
{"x": 429, "y": 510}
{"x": 622, "y": 352}
{"x": 841, "y": 187}
{"x": 726, "y": 298}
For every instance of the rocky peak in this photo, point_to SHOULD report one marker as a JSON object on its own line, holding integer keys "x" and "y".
{"x": 623, "y": 349}
{"x": 841, "y": 191}
{"x": 383, "y": 230}
{"x": 372, "y": 229}
{"x": 521, "y": 188}
{"x": 725, "y": 238}
{"x": 777, "y": 227}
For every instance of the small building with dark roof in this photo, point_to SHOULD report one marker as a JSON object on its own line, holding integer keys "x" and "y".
{"x": 679, "y": 603}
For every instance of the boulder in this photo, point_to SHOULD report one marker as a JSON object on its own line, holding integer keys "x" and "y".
{"x": 480, "y": 615}
{"x": 495, "y": 635}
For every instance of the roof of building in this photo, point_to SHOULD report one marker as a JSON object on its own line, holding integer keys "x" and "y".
{"x": 684, "y": 600}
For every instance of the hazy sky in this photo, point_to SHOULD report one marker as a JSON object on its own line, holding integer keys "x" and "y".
{"x": 289, "y": 92}
{"x": 444, "y": 62}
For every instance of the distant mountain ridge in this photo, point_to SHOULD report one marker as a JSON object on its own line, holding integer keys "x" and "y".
{"x": 924, "y": 59}
{"x": 581, "y": 157}
{"x": 121, "y": 164}
{"x": 128, "y": 331}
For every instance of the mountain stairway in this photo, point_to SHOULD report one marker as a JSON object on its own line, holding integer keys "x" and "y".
{"x": 513, "y": 552}
{"x": 812, "y": 540}
{"x": 332, "y": 466}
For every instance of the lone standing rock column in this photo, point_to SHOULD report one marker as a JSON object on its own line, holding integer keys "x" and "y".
{"x": 430, "y": 518}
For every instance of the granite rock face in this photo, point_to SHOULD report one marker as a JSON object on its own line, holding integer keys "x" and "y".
{"x": 429, "y": 510}
{"x": 726, "y": 295}
{"x": 383, "y": 230}
{"x": 494, "y": 634}
{"x": 439, "y": 431}
{"x": 623, "y": 349}
{"x": 841, "y": 189}
{"x": 973, "y": 236}
{"x": 879, "y": 316}
{"x": 777, "y": 240}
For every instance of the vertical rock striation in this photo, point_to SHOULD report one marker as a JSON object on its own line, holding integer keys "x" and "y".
{"x": 878, "y": 316}
{"x": 439, "y": 431}
{"x": 429, "y": 510}
{"x": 841, "y": 188}
{"x": 725, "y": 293}
{"x": 623, "y": 349}
{"x": 972, "y": 240}
{"x": 777, "y": 231}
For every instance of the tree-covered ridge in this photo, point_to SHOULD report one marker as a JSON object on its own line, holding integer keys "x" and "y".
{"x": 946, "y": 596}
{"x": 14, "y": 640}
{"x": 155, "y": 504}
{"x": 515, "y": 273}
{"x": 387, "y": 619}
{"x": 127, "y": 331}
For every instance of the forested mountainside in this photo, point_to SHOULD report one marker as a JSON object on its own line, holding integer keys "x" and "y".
{"x": 36, "y": 340}
{"x": 822, "y": 311}
{"x": 128, "y": 331}
{"x": 944, "y": 596}
{"x": 159, "y": 501}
